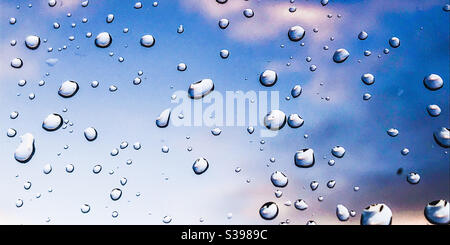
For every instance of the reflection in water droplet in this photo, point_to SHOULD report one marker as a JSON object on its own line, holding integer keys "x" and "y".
{"x": 147, "y": 41}
{"x": 90, "y": 134}
{"x": 223, "y": 23}
{"x": 32, "y": 42}
{"x": 296, "y": 33}
{"x": 163, "y": 120}
{"x": 268, "y": 211}
{"x": 338, "y": 151}
{"x": 85, "y": 208}
{"x": 394, "y": 42}
{"x": 103, "y": 40}
{"x": 97, "y": 169}
{"x": 392, "y": 132}
{"x": 47, "y": 169}
{"x": 275, "y": 120}
{"x": 200, "y": 89}
{"x": 362, "y": 35}
{"x": 433, "y": 82}
{"x": 19, "y": 203}
{"x": 200, "y": 166}
{"x": 300, "y": 204}
{"x": 413, "y": 178}
{"x": 11, "y": 132}
{"x": 70, "y": 168}
{"x": 442, "y": 137}
{"x": 376, "y": 214}
{"x": 340, "y": 55}
{"x": 304, "y": 158}
{"x": 181, "y": 67}
{"x": 434, "y": 110}
{"x": 25, "y": 151}
{"x": 368, "y": 78}
{"x": 342, "y": 212}
{"x": 109, "y": 18}
{"x": 279, "y": 179}
{"x": 268, "y": 78}
{"x": 295, "y": 121}
{"x": 68, "y": 89}
{"x": 314, "y": 185}
{"x": 52, "y": 122}
{"x": 16, "y": 63}
{"x": 296, "y": 91}
{"x": 115, "y": 194}
{"x": 437, "y": 212}
{"x": 224, "y": 53}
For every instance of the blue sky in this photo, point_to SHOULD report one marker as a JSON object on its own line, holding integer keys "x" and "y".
{"x": 372, "y": 158}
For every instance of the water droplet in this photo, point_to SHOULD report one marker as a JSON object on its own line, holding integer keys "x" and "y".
{"x": 392, "y": 132}
{"x": 165, "y": 149}
{"x": 85, "y": 208}
{"x": 115, "y": 214}
{"x": 70, "y": 168}
{"x": 404, "y": 151}
{"x": 376, "y": 214}
{"x": 304, "y": 158}
{"x": 296, "y": 91}
{"x": 167, "y": 219}
{"x": 442, "y": 137}
{"x": 115, "y": 194}
{"x": 114, "y": 152}
{"x": 340, "y": 55}
{"x": 216, "y": 131}
{"x": 96, "y": 169}
{"x": 311, "y": 222}
{"x": 368, "y": 78}
{"x": 11, "y": 132}
{"x": 434, "y": 110}
{"x": 275, "y": 120}
{"x": 123, "y": 181}
{"x": 181, "y": 67}
{"x": 163, "y": 120}
{"x": 52, "y": 122}
{"x": 200, "y": 89}
{"x": 248, "y": 13}
{"x": 362, "y": 35}
{"x": 296, "y": 33}
{"x": 12, "y": 20}
{"x": 223, "y": 23}
{"x": 342, "y": 212}
{"x": 268, "y": 211}
{"x": 19, "y": 203}
{"x": 137, "y": 145}
{"x": 16, "y": 63}
{"x": 25, "y": 151}
{"x": 268, "y": 78}
{"x": 324, "y": 2}
{"x": 27, "y": 185}
{"x": 331, "y": 184}
{"x": 147, "y": 41}
{"x": 338, "y": 151}
{"x": 47, "y": 169}
{"x": 180, "y": 29}
{"x": 413, "y": 178}
{"x": 300, "y": 204}
{"x": 295, "y": 121}
{"x": 103, "y": 40}
{"x": 224, "y": 53}
{"x": 250, "y": 130}
{"x": 68, "y": 89}
{"x": 279, "y": 179}
{"x": 437, "y": 212}
{"x": 314, "y": 185}
{"x": 90, "y": 134}
{"x": 331, "y": 162}
{"x": 433, "y": 82}
{"x": 138, "y": 5}
{"x": 394, "y": 42}
{"x": 200, "y": 166}
{"x": 32, "y": 42}
{"x": 109, "y": 18}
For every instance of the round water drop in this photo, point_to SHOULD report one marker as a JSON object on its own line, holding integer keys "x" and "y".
{"x": 413, "y": 178}
{"x": 114, "y": 152}
{"x": 103, "y": 40}
{"x": 11, "y": 132}
{"x": 85, "y": 208}
{"x": 163, "y": 120}
{"x": 314, "y": 185}
{"x": 19, "y": 203}
{"x": 25, "y": 151}
{"x": 167, "y": 219}
{"x": 437, "y": 212}
{"x": 363, "y": 35}
{"x": 32, "y": 42}
{"x": 331, "y": 184}
{"x": 331, "y": 162}
{"x": 181, "y": 67}
{"x": 109, "y": 18}
{"x": 248, "y": 13}
{"x": 279, "y": 179}
{"x": 216, "y": 131}
{"x": 292, "y": 9}
{"x": 368, "y": 78}
{"x": 324, "y": 2}
{"x": 47, "y": 169}
{"x": 115, "y": 194}
{"x": 90, "y": 134}
{"x": 442, "y": 137}
{"x": 275, "y": 120}
{"x": 12, "y": 20}
{"x": 27, "y": 185}
{"x": 295, "y": 121}
{"x": 296, "y": 91}
{"x": 14, "y": 115}
{"x": 392, "y": 132}
{"x": 112, "y": 88}
{"x": 446, "y": 7}
{"x": 94, "y": 84}
{"x": 340, "y": 55}
{"x": 224, "y": 53}
{"x": 394, "y": 42}
{"x": 268, "y": 78}
{"x": 434, "y": 110}
{"x": 137, "y": 146}
{"x": 300, "y": 204}
{"x": 138, "y": 5}
{"x": 304, "y": 158}
{"x": 367, "y": 53}
{"x": 56, "y": 25}
{"x": 342, "y": 212}
{"x": 433, "y": 82}
{"x": 70, "y": 168}
{"x": 52, "y": 122}
{"x": 16, "y": 63}
{"x": 68, "y": 89}
{"x": 223, "y": 23}
{"x": 200, "y": 166}
{"x": 376, "y": 214}
{"x": 165, "y": 149}
{"x": 338, "y": 151}
{"x": 147, "y": 41}
{"x": 296, "y": 33}
{"x": 268, "y": 211}
{"x": 115, "y": 214}
{"x": 52, "y": 3}
{"x": 200, "y": 89}
{"x": 97, "y": 169}
{"x": 221, "y": 1}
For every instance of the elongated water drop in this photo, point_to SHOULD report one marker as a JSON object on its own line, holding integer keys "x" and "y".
{"x": 268, "y": 211}
{"x": 296, "y": 91}
{"x": 340, "y": 55}
{"x": 90, "y": 133}
{"x": 433, "y": 82}
{"x": 342, "y": 212}
{"x": 163, "y": 120}
{"x": 200, "y": 89}
{"x": 442, "y": 137}
{"x": 200, "y": 166}
{"x": 25, "y": 151}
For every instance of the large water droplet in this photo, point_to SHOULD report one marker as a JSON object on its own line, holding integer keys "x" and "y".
{"x": 296, "y": 33}
{"x": 163, "y": 120}
{"x": 200, "y": 166}
{"x": 32, "y": 42}
{"x": 268, "y": 78}
{"x": 248, "y": 13}
{"x": 109, "y": 18}
{"x": 52, "y": 122}
{"x": 200, "y": 89}
{"x": 268, "y": 211}
{"x": 392, "y": 132}
{"x": 295, "y": 121}
{"x": 413, "y": 178}
{"x": 442, "y": 137}
{"x": 90, "y": 134}
{"x": 68, "y": 89}
{"x": 340, "y": 55}
{"x": 304, "y": 158}
{"x": 224, "y": 53}
{"x": 394, "y": 42}
{"x": 103, "y": 40}
{"x": 115, "y": 194}
{"x": 363, "y": 35}
{"x": 342, "y": 212}
{"x": 296, "y": 91}
{"x": 223, "y": 23}
{"x": 16, "y": 63}
{"x": 25, "y": 151}
{"x": 275, "y": 120}
{"x": 368, "y": 78}
{"x": 147, "y": 41}
{"x": 279, "y": 179}
{"x": 433, "y": 82}
{"x": 437, "y": 212}
{"x": 376, "y": 214}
